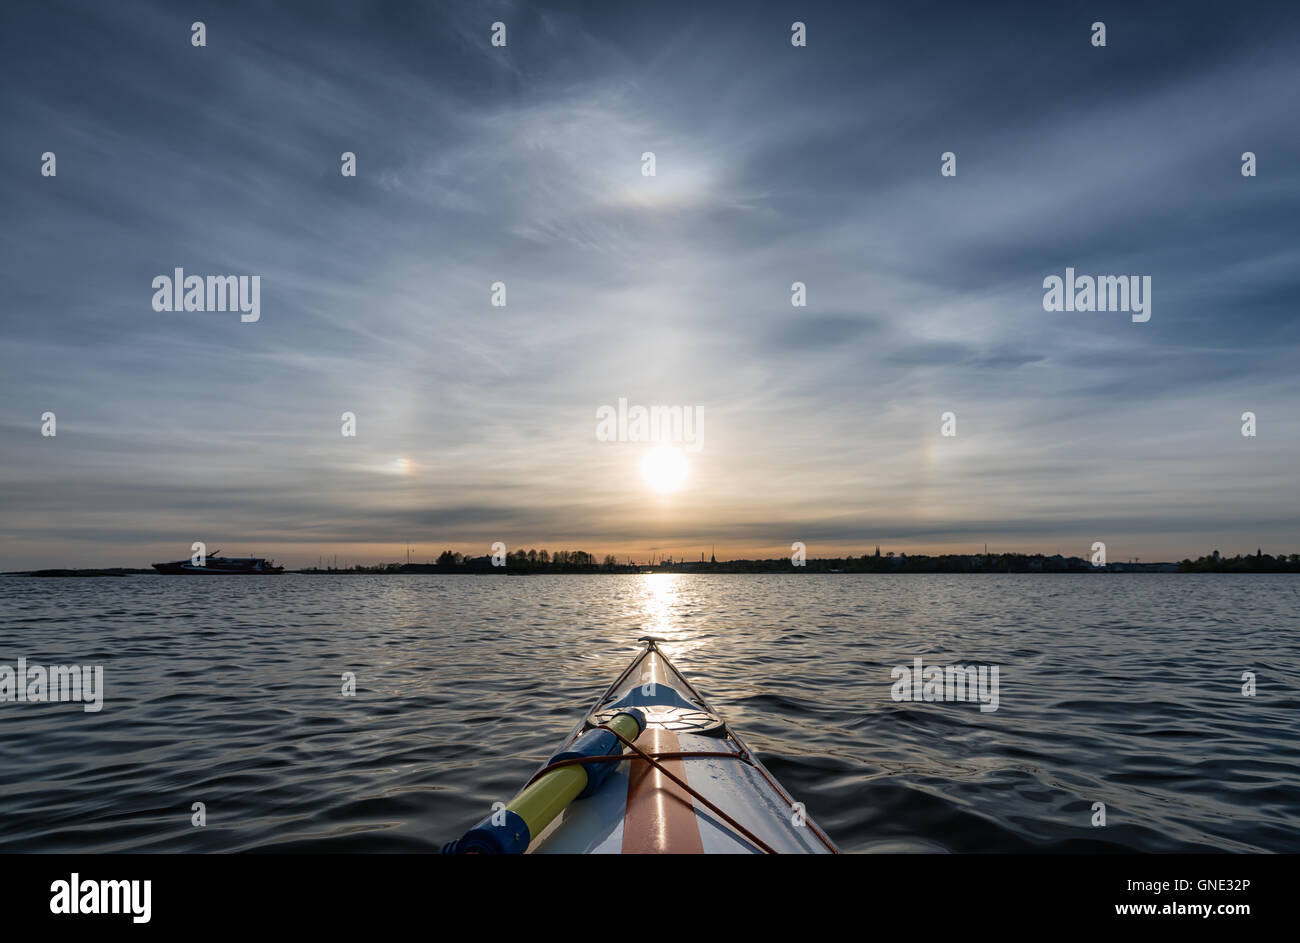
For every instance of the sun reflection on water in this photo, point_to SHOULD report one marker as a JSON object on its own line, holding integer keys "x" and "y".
{"x": 665, "y": 605}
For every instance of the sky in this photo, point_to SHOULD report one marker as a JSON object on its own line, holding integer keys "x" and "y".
{"x": 523, "y": 164}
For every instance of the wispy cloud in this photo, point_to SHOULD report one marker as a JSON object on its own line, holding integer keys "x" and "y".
{"x": 522, "y": 165}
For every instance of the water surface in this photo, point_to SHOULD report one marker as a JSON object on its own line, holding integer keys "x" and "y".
{"x": 1120, "y": 689}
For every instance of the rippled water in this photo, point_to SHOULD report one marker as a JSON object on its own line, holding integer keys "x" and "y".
{"x": 1124, "y": 690}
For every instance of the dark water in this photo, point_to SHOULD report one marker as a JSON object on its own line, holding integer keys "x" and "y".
{"x": 1117, "y": 689}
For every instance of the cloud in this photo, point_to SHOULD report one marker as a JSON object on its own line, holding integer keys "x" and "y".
{"x": 523, "y": 165}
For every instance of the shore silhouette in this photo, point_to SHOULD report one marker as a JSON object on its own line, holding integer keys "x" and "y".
{"x": 527, "y": 562}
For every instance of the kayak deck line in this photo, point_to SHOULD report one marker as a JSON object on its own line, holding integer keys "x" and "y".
{"x": 633, "y": 758}
{"x": 656, "y": 759}
{"x": 639, "y": 780}
{"x": 592, "y": 797}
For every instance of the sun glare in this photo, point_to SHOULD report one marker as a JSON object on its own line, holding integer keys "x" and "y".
{"x": 664, "y": 469}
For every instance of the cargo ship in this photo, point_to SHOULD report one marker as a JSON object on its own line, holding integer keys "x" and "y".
{"x": 222, "y": 566}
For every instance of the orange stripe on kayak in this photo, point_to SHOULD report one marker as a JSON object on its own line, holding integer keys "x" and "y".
{"x": 660, "y": 817}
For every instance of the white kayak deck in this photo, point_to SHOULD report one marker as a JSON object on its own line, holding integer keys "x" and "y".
{"x": 638, "y": 810}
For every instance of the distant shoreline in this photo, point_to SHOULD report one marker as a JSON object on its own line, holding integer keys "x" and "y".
{"x": 975, "y": 564}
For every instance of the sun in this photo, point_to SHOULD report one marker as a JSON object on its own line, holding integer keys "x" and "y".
{"x": 664, "y": 469}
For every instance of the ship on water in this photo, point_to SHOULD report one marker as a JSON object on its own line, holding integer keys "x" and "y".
{"x": 222, "y": 566}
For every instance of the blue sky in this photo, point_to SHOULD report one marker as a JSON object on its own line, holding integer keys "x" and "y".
{"x": 522, "y": 164}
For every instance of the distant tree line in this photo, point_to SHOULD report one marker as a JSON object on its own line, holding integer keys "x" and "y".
{"x": 528, "y": 560}
{"x": 890, "y": 562}
{"x": 1259, "y": 562}
{"x": 579, "y": 561}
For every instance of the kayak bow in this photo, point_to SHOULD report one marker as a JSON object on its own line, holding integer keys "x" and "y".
{"x": 686, "y": 783}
